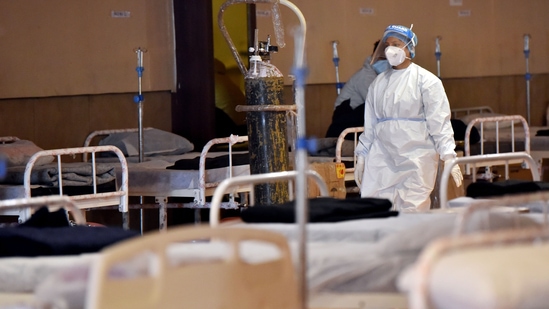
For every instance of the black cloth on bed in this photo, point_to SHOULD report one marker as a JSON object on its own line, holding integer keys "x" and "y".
{"x": 49, "y": 233}
{"x": 460, "y": 127}
{"x": 217, "y": 162}
{"x": 322, "y": 209}
{"x": 542, "y": 133}
{"x": 344, "y": 117}
{"x": 500, "y": 188}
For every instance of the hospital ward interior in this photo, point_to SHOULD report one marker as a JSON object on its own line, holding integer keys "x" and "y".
{"x": 267, "y": 154}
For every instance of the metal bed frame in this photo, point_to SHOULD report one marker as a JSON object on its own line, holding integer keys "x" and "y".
{"x": 87, "y": 201}
{"x": 199, "y": 194}
{"x": 84, "y": 201}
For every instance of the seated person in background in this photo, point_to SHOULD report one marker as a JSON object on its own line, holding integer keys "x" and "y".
{"x": 227, "y": 96}
{"x": 349, "y": 105}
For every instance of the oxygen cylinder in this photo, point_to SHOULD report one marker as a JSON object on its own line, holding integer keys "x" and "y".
{"x": 268, "y": 145}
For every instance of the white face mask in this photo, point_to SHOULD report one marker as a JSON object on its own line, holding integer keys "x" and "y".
{"x": 395, "y": 55}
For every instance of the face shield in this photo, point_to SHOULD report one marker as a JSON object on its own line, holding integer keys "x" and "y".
{"x": 400, "y": 32}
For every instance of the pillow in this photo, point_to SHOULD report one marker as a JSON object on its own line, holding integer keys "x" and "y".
{"x": 19, "y": 152}
{"x": 155, "y": 142}
{"x": 487, "y": 125}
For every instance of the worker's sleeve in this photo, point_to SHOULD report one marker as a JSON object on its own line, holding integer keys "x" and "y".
{"x": 370, "y": 120}
{"x": 437, "y": 114}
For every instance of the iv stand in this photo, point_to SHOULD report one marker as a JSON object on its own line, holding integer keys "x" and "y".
{"x": 138, "y": 98}
{"x": 527, "y": 76}
{"x": 438, "y": 53}
{"x": 335, "y": 59}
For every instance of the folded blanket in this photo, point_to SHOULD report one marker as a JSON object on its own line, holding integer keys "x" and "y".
{"x": 500, "y": 188}
{"x": 49, "y": 233}
{"x": 73, "y": 174}
{"x": 322, "y": 209}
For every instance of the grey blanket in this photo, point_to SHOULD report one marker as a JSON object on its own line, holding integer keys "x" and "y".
{"x": 73, "y": 174}
{"x": 327, "y": 147}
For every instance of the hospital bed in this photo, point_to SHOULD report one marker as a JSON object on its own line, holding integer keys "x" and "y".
{"x": 509, "y": 139}
{"x": 340, "y": 150}
{"x": 483, "y": 161}
{"x": 497, "y": 269}
{"x": 156, "y": 176}
{"x": 90, "y": 185}
{"x": 351, "y": 262}
{"x": 502, "y": 133}
{"x": 8, "y": 300}
{"x": 46, "y": 235}
{"x": 342, "y": 269}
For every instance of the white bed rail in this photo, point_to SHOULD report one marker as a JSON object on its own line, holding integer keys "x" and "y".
{"x": 488, "y": 159}
{"x": 497, "y": 120}
{"x": 200, "y": 200}
{"x": 349, "y": 171}
{"x": 54, "y": 201}
{"x": 419, "y": 296}
{"x": 84, "y": 201}
{"x": 238, "y": 181}
{"x": 341, "y": 139}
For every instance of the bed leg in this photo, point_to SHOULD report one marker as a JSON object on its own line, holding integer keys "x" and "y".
{"x": 197, "y": 216}
{"x": 126, "y": 220}
{"x": 162, "y": 212}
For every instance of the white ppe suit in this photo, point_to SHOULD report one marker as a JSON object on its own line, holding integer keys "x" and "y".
{"x": 406, "y": 127}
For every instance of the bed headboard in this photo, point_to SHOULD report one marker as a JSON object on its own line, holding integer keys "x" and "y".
{"x": 460, "y": 112}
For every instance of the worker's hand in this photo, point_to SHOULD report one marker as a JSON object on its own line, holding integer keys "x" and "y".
{"x": 359, "y": 170}
{"x": 456, "y": 174}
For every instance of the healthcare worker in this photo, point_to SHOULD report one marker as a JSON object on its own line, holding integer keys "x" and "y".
{"x": 406, "y": 128}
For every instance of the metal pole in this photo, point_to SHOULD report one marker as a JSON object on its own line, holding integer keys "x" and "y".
{"x": 301, "y": 179}
{"x": 138, "y": 98}
{"x": 335, "y": 59}
{"x": 527, "y": 76}
{"x": 302, "y": 203}
{"x": 438, "y": 54}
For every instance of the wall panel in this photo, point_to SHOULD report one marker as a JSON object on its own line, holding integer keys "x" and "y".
{"x": 63, "y": 47}
{"x": 487, "y": 42}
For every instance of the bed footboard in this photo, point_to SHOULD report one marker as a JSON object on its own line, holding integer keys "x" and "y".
{"x": 240, "y": 181}
{"x": 85, "y": 201}
{"x": 485, "y": 160}
{"x": 349, "y": 171}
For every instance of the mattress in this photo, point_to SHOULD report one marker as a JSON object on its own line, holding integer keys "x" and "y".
{"x": 152, "y": 178}
{"x": 354, "y": 231}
